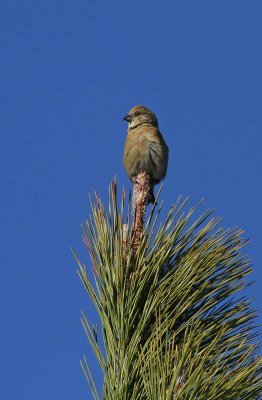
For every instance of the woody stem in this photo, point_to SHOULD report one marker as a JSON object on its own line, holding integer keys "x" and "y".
{"x": 139, "y": 202}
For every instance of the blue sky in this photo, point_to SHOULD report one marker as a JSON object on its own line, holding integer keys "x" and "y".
{"x": 69, "y": 72}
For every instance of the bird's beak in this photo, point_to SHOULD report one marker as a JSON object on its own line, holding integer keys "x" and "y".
{"x": 127, "y": 118}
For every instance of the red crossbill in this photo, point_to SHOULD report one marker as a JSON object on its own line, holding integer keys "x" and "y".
{"x": 145, "y": 148}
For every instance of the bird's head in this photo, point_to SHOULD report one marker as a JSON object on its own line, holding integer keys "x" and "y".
{"x": 140, "y": 115}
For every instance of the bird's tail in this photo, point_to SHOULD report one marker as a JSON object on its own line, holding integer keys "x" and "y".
{"x": 151, "y": 196}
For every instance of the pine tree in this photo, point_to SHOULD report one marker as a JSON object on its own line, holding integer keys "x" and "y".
{"x": 174, "y": 325}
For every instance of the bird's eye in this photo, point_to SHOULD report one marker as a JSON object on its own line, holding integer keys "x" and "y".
{"x": 137, "y": 113}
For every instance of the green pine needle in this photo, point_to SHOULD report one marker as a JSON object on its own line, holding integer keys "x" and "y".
{"x": 174, "y": 325}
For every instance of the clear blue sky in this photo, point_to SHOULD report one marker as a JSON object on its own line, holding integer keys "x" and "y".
{"x": 70, "y": 70}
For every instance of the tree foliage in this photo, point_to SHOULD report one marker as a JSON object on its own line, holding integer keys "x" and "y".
{"x": 174, "y": 323}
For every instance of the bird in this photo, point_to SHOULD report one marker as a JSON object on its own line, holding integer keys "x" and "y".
{"x": 145, "y": 149}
